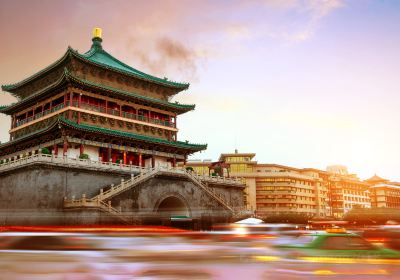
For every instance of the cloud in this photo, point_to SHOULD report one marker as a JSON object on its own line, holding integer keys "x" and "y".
{"x": 166, "y": 55}
{"x": 321, "y": 8}
{"x": 166, "y": 38}
{"x": 315, "y": 11}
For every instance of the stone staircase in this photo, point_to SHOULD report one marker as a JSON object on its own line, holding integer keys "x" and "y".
{"x": 144, "y": 175}
{"x": 103, "y": 202}
{"x": 210, "y": 191}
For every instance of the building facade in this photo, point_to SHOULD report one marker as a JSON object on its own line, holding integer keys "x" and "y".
{"x": 384, "y": 193}
{"x": 347, "y": 191}
{"x": 274, "y": 189}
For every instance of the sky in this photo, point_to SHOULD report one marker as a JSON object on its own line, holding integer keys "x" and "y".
{"x": 303, "y": 83}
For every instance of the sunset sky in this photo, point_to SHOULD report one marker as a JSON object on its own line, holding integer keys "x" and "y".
{"x": 304, "y": 83}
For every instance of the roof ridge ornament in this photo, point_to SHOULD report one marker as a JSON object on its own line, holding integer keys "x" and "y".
{"x": 96, "y": 46}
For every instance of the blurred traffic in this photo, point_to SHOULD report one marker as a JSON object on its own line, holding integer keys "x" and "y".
{"x": 249, "y": 249}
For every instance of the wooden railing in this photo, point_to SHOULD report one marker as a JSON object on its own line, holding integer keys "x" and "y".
{"x": 119, "y": 113}
{"x": 100, "y": 109}
{"x": 39, "y": 115}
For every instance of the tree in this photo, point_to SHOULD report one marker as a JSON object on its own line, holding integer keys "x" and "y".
{"x": 371, "y": 216}
{"x": 189, "y": 168}
{"x": 45, "y": 151}
{"x": 293, "y": 218}
{"x": 84, "y": 156}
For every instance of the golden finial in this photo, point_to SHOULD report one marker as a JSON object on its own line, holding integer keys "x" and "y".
{"x": 97, "y": 32}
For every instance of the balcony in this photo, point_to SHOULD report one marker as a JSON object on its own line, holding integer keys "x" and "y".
{"x": 98, "y": 109}
{"x": 39, "y": 115}
{"x": 118, "y": 113}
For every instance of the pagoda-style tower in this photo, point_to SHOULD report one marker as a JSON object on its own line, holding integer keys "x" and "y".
{"x": 94, "y": 106}
{"x": 94, "y": 141}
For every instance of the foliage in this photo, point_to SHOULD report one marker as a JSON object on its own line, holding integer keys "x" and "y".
{"x": 218, "y": 170}
{"x": 371, "y": 216}
{"x": 295, "y": 218}
{"x": 189, "y": 168}
{"x": 1, "y": 161}
{"x": 45, "y": 151}
{"x": 84, "y": 156}
{"x": 118, "y": 161}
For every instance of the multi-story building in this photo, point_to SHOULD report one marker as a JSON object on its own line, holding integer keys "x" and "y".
{"x": 384, "y": 193}
{"x": 283, "y": 189}
{"x": 347, "y": 191}
{"x": 92, "y": 136}
{"x": 274, "y": 189}
{"x": 94, "y": 104}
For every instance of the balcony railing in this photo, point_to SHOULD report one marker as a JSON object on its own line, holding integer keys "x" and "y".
{"x": 99, "y": 109}
{"x": 104, "y": 165}
{"x": 39, "y": 115}
{"x": 124, "y": 114}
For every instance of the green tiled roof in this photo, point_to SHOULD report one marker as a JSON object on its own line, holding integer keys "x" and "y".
{"x": 37, "y": 94}
{"x": 112, "y": 132}
{"x": 10, "y": 87}
{"x": 100, "y": 57}
{"x": 128, "y": 93}
{"x": 13, "y": 142}
{"x": 90, "y": 128}
{"x": 70, "y": 76}
{"x": 97, "y": 55}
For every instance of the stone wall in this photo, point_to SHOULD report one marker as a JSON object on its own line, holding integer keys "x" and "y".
{"x": 34, "y": 196}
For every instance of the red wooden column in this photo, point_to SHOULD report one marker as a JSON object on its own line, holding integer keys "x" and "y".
{"x": 140, "y": 160}
{"x": 81, "y": 149}
{"x": 100, "y": 155}
{"x": 55, "y": 149}
{"x": 124, "y": 157}
{"x": 71, "y": 96}
{"x": 153, "y": 162}
{"x": 79, "y": 106}
{"x": 65, "y": 100}
{"x": 65, "y": 147}
{"x": 174, "y": 162}
{"x": 109, "y": 154}
{"x": 13, "y": 121}
{"x": 120, "y": 110}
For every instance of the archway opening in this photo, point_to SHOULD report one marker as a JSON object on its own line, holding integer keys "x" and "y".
{"x": 173, "y": 207}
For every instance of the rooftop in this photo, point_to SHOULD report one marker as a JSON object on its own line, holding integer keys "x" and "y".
{"x": 110, "y": 132}
{"x": 98, "y": 56}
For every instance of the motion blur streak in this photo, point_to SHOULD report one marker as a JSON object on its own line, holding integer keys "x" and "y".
{"x": 348, "y": 260}
{"x": 147, "y": 252}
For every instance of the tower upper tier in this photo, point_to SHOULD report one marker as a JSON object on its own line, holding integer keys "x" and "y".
{"x": 99, "y": 66}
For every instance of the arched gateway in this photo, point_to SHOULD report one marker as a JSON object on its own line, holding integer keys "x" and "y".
{"x": 173, "y": 205}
